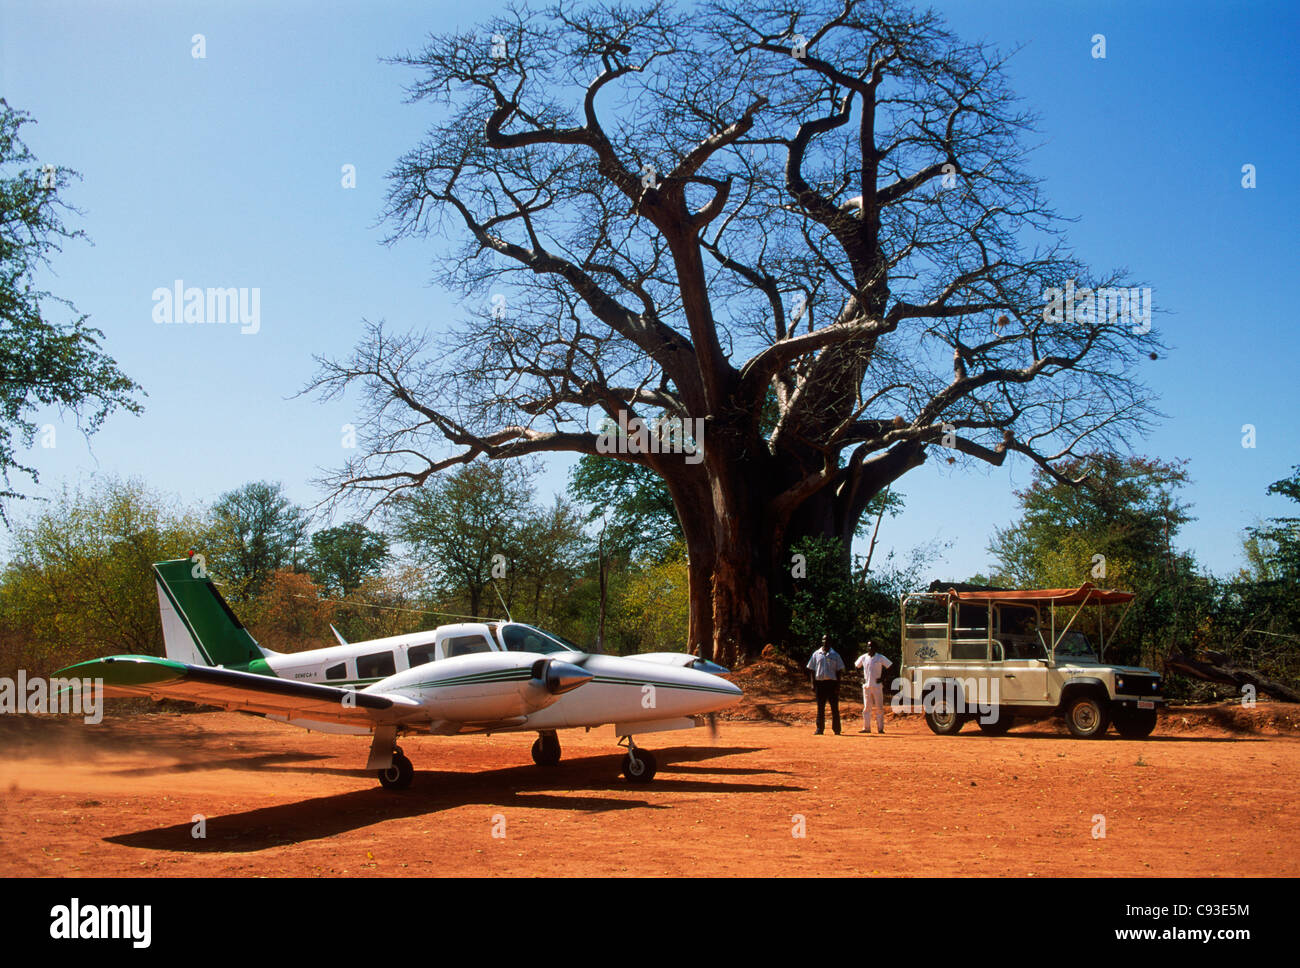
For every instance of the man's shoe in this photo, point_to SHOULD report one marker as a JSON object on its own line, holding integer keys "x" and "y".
{"x": 864, "y": 731}
{"x": 817, "y": 732}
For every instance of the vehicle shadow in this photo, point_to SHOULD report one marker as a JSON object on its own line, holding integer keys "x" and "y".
{"x": 582, "y": 784}
{"x": 1046, "y": 734}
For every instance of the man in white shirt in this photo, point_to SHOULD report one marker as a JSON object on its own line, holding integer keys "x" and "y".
{"x": 826, "y": 666}
{"x": 871, "y": 663}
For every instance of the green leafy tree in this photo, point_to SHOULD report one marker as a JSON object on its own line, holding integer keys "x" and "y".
{"x": 880, "y": 588}
{"x": 551, "y": 552}
{"x": 824, "y": 601}
{"x": 78, "y": 583}
{"x": 343, "y": 557}
{"x": 1273, "y": 549}
{"x": 44, "y": 361}
{"x": 632, "y": 503}
{"x": 654, "y": 605}
{"x": 1115, "y": 529}
{"x": 1257, "y": 622}
{"x": 457, "y": 525}
{"x": 255, "y": 530}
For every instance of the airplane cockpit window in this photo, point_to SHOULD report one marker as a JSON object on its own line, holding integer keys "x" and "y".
{"x": 525, "y": 638}
{"x": 464, "y": 645}
{"x": 420, "y": 654}
{"x": 378, "y": 665}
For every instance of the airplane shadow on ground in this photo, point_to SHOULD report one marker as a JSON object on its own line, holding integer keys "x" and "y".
{"x": 257, "y": 761}
{"x": 582, "y": 780}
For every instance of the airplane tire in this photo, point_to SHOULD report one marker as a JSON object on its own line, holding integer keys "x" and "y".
{"x": 546, "y": 750}
{"x": 399, "y": 775}
{"x": 643, "y": 771}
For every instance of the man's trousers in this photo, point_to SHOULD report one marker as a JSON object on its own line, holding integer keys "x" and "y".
{"x": 828, "y": 690}
{"x": 873, "y": 699}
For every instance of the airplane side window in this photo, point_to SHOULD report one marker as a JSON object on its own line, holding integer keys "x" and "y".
{"x": 339, "y": 671}
{"x": 379, "y": 665}
{"x": 465, "y": 645}
{"x": 420, "y": 654}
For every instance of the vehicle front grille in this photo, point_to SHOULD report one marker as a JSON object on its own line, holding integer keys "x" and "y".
{"x": 1129, "y": 685}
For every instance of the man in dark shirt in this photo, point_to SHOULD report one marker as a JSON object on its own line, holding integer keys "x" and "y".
{"x": 825, "y": 667}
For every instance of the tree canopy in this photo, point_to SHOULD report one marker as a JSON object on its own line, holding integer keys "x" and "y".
{"x": 44, "y": 360}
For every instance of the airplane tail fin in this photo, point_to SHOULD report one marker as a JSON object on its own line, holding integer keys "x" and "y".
{"x": 198, "y": 626}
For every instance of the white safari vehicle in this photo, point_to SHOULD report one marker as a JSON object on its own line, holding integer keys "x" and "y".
{"x": 996, "y": 656}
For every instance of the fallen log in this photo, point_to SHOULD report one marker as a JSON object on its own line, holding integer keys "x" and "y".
{"x": 1229, "y": 675}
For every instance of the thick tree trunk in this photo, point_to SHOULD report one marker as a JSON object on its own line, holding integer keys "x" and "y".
{"x": 693, "y": 513}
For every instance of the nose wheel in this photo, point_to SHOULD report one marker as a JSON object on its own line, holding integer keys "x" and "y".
{"x": 546, "y": 749}
{"x": 638, "y": 765}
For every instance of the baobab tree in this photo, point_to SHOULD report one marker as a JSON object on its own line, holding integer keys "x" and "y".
{"x": 807, "y": 230}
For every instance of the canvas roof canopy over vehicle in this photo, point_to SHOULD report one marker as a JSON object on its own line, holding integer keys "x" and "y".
{"x": 1087, "y": 593}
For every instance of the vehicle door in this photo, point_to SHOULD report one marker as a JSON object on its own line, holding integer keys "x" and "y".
{"x": 1019, "y": 656}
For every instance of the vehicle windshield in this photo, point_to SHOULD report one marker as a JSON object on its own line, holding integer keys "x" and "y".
{"x": 1075, "y": 645}
{"x": 526, "y": 638}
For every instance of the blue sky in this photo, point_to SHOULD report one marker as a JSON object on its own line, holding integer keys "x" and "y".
{"x": 225, "y": 171}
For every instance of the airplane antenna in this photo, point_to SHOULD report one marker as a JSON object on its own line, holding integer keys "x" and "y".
{"x": 502, "y": 601}
{"x": 394, "y": 608}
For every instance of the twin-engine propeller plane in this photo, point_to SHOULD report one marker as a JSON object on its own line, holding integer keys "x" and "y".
{"x": 472, "y": 677}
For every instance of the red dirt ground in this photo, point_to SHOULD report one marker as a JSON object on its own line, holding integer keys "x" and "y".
{"x": 1211, "y": 793}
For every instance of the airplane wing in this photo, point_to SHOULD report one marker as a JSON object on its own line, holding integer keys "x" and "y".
{"x": 682, "y": 659}
{"x": 142, "y": 675}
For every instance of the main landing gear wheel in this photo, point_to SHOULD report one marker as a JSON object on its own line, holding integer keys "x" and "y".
{"x": 398, "y": 776}
{"x": 546, "y": 749}
{"x": 639, "y": 766}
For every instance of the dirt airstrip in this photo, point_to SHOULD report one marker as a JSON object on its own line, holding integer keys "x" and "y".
{"x": 1208, "y": 794}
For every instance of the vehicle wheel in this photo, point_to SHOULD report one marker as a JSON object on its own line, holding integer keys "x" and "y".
{"x": 398, "y": 776}
{"x": 1086, "y": 717}
{"x": 546, "y": 750}
{"x": 1135, "y": 723}
{"x": 945, "y": 723}
{"x": 1001, "y": 722}
{"x": 640, "y": 770}
{"x": 942, "y": 718}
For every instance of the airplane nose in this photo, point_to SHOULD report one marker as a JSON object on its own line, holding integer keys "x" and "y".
{"x": 562, "y": 677}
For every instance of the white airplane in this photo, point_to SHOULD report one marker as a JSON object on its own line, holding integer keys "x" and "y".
{"x": 472, "y": 677}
